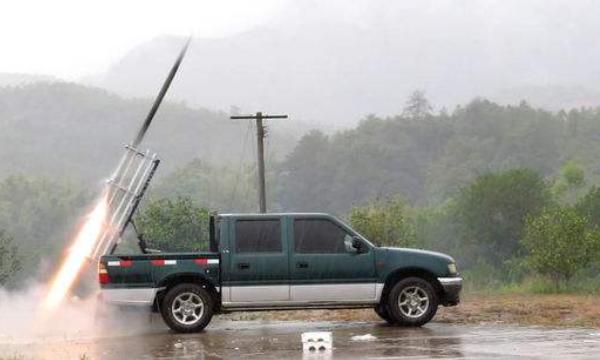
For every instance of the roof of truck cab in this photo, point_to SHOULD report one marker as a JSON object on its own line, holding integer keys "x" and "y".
{"x": 254, "y": 215}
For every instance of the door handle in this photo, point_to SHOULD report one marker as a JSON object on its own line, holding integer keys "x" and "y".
{"x": 302, "y": 265}
{"x": 243, "y": 266}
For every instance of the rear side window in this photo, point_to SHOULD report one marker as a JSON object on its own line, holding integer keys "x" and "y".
{"x": 257, "y": 236}
{"x": 318, "y": 236}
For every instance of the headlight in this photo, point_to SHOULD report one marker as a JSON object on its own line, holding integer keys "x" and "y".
{"x": 452, "y": 269}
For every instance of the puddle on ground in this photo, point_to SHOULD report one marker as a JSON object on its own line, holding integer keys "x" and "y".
{"x": 224, "y": 339}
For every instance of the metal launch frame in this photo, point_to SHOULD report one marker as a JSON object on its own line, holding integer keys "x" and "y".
{"x": 124, "y": 192}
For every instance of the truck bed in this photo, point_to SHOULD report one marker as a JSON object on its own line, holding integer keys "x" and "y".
{"x": 137, "y": 279}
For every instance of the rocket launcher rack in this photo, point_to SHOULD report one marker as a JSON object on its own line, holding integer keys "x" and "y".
{"x": 129, "y": 182}
{"x": 124, "y": 192}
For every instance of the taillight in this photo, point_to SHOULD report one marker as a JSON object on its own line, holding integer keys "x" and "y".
{"x": 103, "y": 274}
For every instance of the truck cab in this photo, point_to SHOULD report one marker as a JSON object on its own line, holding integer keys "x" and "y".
{"x": 282, "y": 261}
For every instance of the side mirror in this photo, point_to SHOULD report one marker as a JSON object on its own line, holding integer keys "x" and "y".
{"x": 358, "y": 244}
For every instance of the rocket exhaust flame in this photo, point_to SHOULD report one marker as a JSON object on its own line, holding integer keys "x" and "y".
{"x": 78, "y": 253}
{"x": 105, "y": 225}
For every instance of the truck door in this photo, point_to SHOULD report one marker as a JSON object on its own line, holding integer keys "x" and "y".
{"x": 258, "y": 266}
{"x": 323, "y": 269}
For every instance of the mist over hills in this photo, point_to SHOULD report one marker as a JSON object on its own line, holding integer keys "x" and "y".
{"x": 71, "y": 131}
{"x": 17, "y": 79}
{"x": 335, "y": 73}
{"x": 324, "y": 72}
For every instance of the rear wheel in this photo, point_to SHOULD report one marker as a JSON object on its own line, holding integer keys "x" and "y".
{"x": 187, "y": 308}
{"x": 412, "y": 302}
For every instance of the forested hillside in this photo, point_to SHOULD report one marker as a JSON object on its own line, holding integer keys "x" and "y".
{"x": 71, "y": 131}
{"x": 428, "y": 157}
{"x": 423, "y": 157}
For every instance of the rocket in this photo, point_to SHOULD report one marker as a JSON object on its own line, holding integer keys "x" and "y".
{"x": 126, "y": 187}
{"x": 161, "y": 94}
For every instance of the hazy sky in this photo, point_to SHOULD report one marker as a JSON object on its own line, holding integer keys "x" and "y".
{"x": 518, "y": 42}
{"x": 73, "y": 38}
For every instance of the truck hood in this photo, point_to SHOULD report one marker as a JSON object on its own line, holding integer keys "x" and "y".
{"x": 390, "y": 259}
{"x": 419, "y": 252}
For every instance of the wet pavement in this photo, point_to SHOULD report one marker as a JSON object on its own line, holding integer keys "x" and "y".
{"x": 225, "y": 339}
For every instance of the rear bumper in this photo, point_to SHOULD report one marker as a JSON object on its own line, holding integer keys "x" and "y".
{"x": 451, "y": 287}
{"x": 135, "y": 296}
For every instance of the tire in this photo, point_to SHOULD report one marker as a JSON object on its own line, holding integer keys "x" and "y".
{"x": 412, "y": 302}
{"x": 383, "y": 313}
{"x": 187, "y": 308}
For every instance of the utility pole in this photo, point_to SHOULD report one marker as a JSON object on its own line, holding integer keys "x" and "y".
{"x": 260, "y": 153}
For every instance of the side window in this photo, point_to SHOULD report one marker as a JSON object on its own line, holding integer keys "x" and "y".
{"x": 318, "y": 236}
{"x": 257, "y": 236}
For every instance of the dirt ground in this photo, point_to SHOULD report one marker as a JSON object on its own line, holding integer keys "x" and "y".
{"x": 563, "y": 310}
{"x": 226, "y": 339}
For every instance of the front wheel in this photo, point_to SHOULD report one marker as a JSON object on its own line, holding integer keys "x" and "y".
{"x": 412, "y": 302}
{"x": 187, "y": 308}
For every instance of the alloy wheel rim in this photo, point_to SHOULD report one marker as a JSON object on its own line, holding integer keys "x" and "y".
{"x": 187, "y": 308}
{"x": 413, "y": 302}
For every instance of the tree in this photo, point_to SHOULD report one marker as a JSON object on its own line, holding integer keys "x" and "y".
{"x": 214, "y": 187}
{"x": 493, "y": 210}
{"x": 573, "y": 174}
{"x": 305, "y": 176}
{"x": 10, "y": 260}
{"x": 588, "y": 207}
{"x": 387, "y": 222}
{"x": 174, "y": 225}
{"x": 417, "y": 106}
{"x": 438, "y": 229}
{"x": 559, "y": 243}
{"x": 39, "y": 214}
{"x": 571, "y": 180}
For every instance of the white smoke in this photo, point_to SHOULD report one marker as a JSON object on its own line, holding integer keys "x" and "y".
{"x": 26, "y": 331}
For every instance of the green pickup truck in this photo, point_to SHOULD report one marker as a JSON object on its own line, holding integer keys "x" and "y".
{"x": 282, "y": 261}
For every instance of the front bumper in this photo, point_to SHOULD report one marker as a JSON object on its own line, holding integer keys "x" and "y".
{"x": 451, "y": 287}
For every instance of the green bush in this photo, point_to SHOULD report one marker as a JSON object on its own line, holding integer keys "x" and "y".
{"x": 560, "y": 244}
{"x": 491, "y": 213}
{"x": 174, "y": 225}
{"x": 387, "y": 223}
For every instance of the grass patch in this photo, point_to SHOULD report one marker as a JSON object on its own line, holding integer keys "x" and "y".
{"x": 484, "y": 279}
